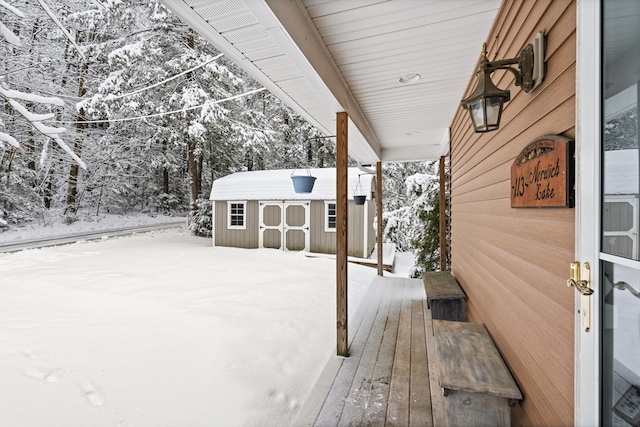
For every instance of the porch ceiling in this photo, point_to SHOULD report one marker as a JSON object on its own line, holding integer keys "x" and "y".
{"x": 325, "y": 56}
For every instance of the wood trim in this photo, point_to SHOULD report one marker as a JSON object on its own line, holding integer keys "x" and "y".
{"x": 443, "y": 221}
{"x": 213, "y": 222}
{"x": 342, "y": 159}
{"x": 379, "y": 213}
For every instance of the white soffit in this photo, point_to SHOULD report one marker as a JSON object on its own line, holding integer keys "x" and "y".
{"x": 325, "y": 56}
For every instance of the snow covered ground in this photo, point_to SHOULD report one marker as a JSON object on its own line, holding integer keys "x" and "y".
{"x": 162, "y": 329}
{"x": 54, "y": 226}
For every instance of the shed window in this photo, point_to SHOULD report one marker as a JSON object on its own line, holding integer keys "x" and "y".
{"x": 236, "y": 217}
{"x": 330, "y": 216}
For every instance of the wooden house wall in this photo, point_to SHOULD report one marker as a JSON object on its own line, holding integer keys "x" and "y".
{"x": 513, "y": 263}
{"x": 247, "y": 238}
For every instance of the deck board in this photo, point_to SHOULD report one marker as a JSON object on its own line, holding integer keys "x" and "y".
{"x": 385, "y": 381}
{"x": 398, "y": 404}
{"x": 420, "y": 397}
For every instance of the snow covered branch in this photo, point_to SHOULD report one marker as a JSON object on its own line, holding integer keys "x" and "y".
{"x": 55, "y": 19}
{"x": 7, "y": 33}
{"x": 35, "y": 120}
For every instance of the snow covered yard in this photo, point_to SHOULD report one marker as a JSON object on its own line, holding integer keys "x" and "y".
{"x": 161, "y": 329}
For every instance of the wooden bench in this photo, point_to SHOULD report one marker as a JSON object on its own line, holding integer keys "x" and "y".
{"x": 445, "y": 298}
{"x": 478, "y": 387}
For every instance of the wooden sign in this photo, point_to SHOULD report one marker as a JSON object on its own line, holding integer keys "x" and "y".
{"x": 542, "y": 175}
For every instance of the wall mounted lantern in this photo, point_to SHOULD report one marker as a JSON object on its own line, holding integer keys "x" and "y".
{"x": 486, "y": 101}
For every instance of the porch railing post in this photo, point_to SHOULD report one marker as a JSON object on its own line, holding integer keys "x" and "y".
{"x": 342, "y": 159}
{"x": 379, "y": 213}
{"x": 443, "y": 218}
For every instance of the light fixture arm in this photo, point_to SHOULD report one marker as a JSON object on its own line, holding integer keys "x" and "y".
{"x": 524, "y": 73}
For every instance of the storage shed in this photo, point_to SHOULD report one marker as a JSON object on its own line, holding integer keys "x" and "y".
{"x": 260, "y": 209}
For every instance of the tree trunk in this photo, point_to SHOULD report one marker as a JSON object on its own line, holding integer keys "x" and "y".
{"x": 31, "y": 143}
{"x": 192, "y": 167}
{"x": 165, "y": 171}
{"x": 199, "y": 175}
{"x": 72, "y": 189}
{"x": 72, "y": 185}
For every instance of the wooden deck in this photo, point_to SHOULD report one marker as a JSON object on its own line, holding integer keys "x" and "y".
{"x": 386, "y": 379}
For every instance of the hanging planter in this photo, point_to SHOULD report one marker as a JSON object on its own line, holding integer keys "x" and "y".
{"x": 359, "y": 200}
{"x": 358, "y": 194}
{"x": 303, "y": 183}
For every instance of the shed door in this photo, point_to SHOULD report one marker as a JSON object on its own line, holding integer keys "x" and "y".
{"x": 296, "y": 226}
{"x": 284, "y": 225}
{"x": 271, "y": 224}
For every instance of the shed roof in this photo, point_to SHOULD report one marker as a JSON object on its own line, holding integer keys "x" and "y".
{"x": 277, "y": 185}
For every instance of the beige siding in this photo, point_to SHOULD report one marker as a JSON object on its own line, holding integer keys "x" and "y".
{"x": 247, "y": 238}
{"x": 325, "y": 241}
{"x": 321, "y": 241}
{"x": 513, "y": 263}
{"x": 356, "y": 230}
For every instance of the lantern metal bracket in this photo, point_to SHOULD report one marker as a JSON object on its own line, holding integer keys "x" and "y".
{"x": 523, "y": 74}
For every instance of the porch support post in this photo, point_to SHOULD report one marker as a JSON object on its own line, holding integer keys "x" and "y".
{"x": 342, "y": 160}
{"x": 379, "y": 213}
{"x": 443, "y": 218}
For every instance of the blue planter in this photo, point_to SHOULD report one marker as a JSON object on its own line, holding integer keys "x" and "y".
{"x": 303, "y": 183}
{"x": 359, "y": 200}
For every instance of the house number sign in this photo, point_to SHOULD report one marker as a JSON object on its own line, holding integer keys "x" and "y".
{"x": 542, "y": 175}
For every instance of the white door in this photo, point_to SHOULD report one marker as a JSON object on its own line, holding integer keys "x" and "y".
{"x": 270, "y": 219}
{"x": 296, "y": 226}
{"x": 284, "y": 225}
{"x": 608, "y": 183}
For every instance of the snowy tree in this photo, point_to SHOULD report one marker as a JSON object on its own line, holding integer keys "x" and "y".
{"x": 413, "y": 222}
{"x": 23, "y": 103}
{"x": 31, "y": 109}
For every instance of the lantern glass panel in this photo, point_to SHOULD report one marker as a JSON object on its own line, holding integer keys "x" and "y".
{"x": 476, "y": 110}
{"x": 494, "y": 108}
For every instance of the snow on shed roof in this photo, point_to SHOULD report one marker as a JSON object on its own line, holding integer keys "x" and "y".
{"x": 277, "y": 185}
{"x": 621, "y": 172}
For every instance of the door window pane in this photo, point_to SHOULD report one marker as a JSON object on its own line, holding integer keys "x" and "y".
{"x": 621, "y": 345}
{"x": 620, "y": 279}
{"x": 621, "y": 157}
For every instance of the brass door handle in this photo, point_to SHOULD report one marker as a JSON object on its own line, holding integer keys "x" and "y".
{"x": 581, "y": 285}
